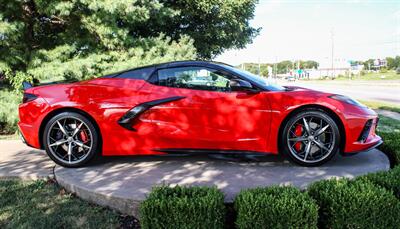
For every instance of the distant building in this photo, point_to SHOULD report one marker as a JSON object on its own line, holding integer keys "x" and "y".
{"x": 379, "y": 63}
{"x": 339, "y": 67}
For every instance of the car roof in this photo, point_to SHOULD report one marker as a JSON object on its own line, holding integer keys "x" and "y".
{"x": 189, "y": 62}
{"x": 172, "y": 64}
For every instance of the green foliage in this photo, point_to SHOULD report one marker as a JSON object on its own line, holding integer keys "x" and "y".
{"x": 383, "y": 70}
{"x": 275, "y": 207}
{"x": 279, "y": 68}
{"x": 390, "y": 180}
{"x": 55, "y": 39}
{"x": 9, "y": 111}
{"x": 354, "y": 204}
{"x": 389, "y": 130}
{"x": 183, "y": 207}
{"x": 391, "y": 145}
{"x": 40, "y": 204}
{"x": 393, "y": 63}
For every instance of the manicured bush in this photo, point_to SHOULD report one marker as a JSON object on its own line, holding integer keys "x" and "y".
{"x": 355, "y": 204}
{"x": 275, "y": 207}
{"x": 391, "y": 145}
{"x": 390, "y": 180}
{"x": 183, "y": 207}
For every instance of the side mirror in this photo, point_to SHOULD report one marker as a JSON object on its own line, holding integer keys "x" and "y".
{"x": 242, "y": 85}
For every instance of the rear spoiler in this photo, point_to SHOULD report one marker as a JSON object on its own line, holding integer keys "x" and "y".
{"x": 26, "y": 85}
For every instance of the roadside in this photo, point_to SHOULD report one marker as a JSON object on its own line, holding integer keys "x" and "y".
{"x": 371, "y": 91}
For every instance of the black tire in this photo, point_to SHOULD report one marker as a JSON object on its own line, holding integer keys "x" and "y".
{"x": 51, "y": 137}
{"x": 310, "y": 141}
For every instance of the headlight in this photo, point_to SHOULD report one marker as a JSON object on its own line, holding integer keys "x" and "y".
{"x": 347, "y": 100}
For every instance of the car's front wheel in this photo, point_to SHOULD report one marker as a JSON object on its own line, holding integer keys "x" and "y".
{"x": 70, "y": 139}
{"x": 310, "y": 138}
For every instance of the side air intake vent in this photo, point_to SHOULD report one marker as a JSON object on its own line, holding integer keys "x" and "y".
{"x": 365, "y": 132}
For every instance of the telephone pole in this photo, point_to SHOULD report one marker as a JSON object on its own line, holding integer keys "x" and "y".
{"x": 332, "y": 52}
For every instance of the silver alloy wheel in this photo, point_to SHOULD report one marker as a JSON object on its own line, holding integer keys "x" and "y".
{"x": 70, "y": 140}
{"x": 311, "y": 139}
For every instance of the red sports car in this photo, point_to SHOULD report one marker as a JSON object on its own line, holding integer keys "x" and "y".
{"x": 190, "y": 107}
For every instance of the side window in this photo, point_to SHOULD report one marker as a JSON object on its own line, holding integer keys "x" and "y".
{"x": 199, "y": 78}
{"x": 141, "y": 73}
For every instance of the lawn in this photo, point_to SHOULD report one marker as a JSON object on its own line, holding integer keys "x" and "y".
{"x": 390, "y": 75}
{"x": 382, "y": 105}
{"x": 43, "y": 204}
{"x": 370, "y": 76}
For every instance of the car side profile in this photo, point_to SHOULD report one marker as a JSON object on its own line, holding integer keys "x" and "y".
{"x": 187, "y": 107}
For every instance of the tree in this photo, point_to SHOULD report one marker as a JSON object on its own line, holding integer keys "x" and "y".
{"x": 284, "y": 66}
{"x": 56, "y": 39}
{"x": 308, "y": 64}
{"x": 368, "y": 64}
{"x": 393, "y": 63}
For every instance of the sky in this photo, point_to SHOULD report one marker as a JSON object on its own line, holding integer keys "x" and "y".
{"x": 293, "y": 30}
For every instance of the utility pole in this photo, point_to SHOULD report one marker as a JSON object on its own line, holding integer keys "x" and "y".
{"x": 332, "y": 52}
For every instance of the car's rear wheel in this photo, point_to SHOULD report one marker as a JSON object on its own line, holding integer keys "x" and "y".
{"x": 70, "y": 139}
{"x": 310, "y": 138}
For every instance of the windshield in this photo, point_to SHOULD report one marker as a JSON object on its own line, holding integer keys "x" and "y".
{"x": 262, "y": 81}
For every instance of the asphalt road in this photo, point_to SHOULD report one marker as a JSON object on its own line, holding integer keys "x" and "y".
{"x": 367, "y": 90}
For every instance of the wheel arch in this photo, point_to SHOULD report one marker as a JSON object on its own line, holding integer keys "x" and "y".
{"x": 57, "y": 111}
{"x": 330, "y": 112}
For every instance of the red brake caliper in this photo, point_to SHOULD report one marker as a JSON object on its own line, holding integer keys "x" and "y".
{"x": 83, "y": 136}
{"x": 298, "y": 132}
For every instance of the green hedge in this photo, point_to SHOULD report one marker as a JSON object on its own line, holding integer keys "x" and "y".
{"x": 391, "y": 145}
{"x": 355, "y": 204}
{"x": 183, "y": 207}
{"x": 390, "y": 180}
{"x": 275, "y": 207}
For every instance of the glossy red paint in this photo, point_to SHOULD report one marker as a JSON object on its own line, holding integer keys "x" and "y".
{"x": 202, "y": 120}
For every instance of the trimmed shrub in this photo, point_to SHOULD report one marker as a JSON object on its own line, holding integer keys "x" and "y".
{"x": 391, "y": 145}
{"x": 275, "y": 207}
{"x": 355, "y": 204}
{"x": 390, "y": 180}
{"x": 183, "y": 207}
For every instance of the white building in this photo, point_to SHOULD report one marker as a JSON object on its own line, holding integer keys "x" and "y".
{"x": 339, "y": 67}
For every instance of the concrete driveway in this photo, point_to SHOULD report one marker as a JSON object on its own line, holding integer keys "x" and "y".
{"x": 122, "y": 182}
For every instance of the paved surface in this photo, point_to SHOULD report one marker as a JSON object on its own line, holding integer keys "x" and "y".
{"x": 378, "y": 91}
{"x": 390, "y": 114}
{"x": 122, "y": 182}
{"x": 20, "y": 161}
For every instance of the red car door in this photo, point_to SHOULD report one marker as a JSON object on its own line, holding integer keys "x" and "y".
{"x": 210, "y": 114}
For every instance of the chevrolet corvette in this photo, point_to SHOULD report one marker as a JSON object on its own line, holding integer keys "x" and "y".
{"x": 191, "y": 107}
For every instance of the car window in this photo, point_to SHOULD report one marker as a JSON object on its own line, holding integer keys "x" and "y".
{"x": 141, "y": 73}
{"x": 198, "y": 78}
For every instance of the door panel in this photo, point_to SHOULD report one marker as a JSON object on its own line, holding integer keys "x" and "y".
{"x": 210, "y": 116}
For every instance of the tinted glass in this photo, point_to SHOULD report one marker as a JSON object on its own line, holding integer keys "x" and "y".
{"x": 262, "y": 81}
{"x": 194, "y": 78}
{"x": 141, "y": 73}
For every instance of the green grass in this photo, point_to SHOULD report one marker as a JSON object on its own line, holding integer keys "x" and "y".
{"x": 9, "y": 137}
{"x": 42, "y": 204}
{"x": 371, "y": 76}
{"x": 381, "y": 105}
{"x": 390, "y": 75}
{"x": 9, "y": 101}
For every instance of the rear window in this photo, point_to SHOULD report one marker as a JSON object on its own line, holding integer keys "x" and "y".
{"x": 141, "y": 73}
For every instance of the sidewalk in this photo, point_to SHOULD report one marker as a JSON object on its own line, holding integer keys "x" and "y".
{"x": 20, "y": 161}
